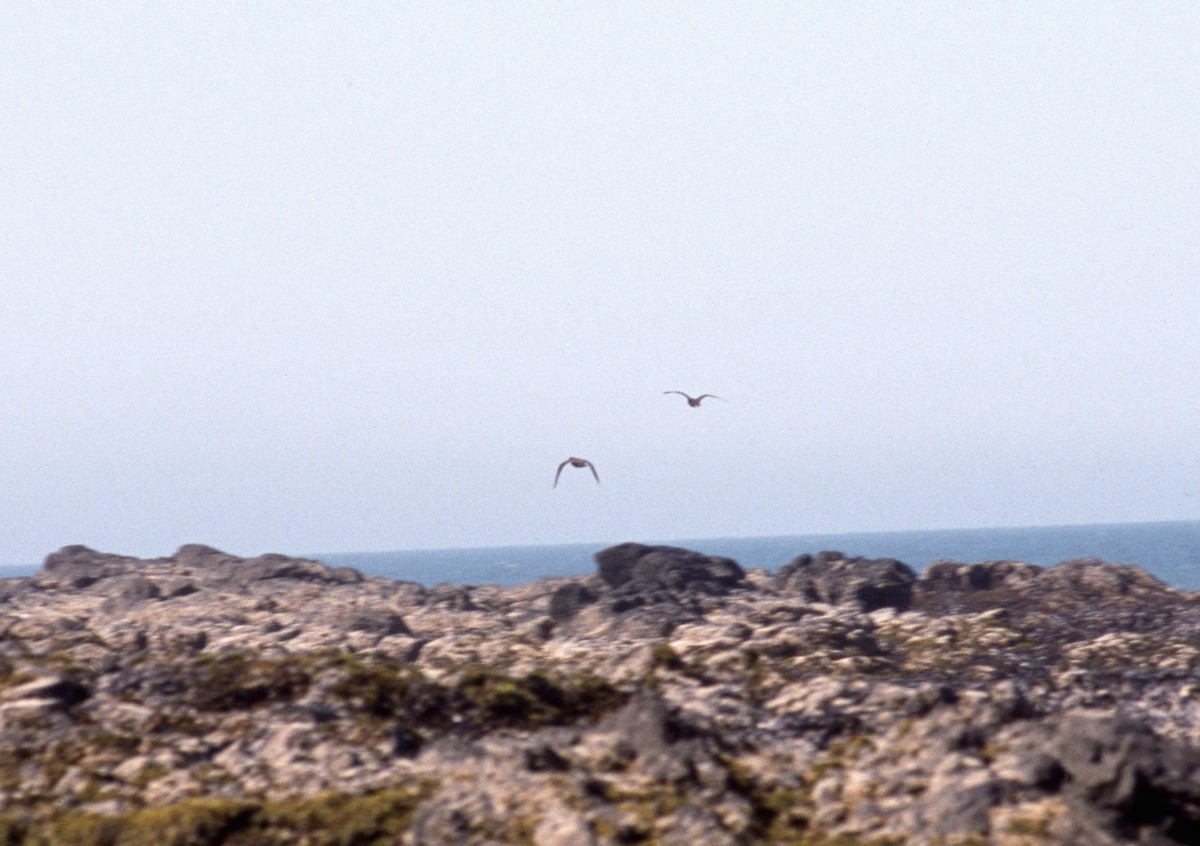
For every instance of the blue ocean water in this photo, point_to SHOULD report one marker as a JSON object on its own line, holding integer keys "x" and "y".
{"x": 1168, "y": 550}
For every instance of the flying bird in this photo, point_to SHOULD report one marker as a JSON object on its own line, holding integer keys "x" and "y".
{"x": 575, "y": 462}
{"x": 694, "y": 402}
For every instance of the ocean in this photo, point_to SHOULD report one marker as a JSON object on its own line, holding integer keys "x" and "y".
{"x": 1168, "y": 550}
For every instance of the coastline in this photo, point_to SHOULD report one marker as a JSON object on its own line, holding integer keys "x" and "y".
{"x": 666, "y": 696}
{"x": 1168, "y": 550}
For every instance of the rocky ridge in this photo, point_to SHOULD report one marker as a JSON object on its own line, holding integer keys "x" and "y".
{"x": 669, "y": 698}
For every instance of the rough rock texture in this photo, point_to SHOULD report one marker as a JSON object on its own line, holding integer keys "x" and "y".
{"x": 831, "y": 577}
{"x": 671, "y": 698}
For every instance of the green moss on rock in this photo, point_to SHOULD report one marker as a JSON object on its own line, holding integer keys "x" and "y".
{"x": 234, "y": 681}
{"x": 480, "y": 698}
{"x": 325, "y": 820}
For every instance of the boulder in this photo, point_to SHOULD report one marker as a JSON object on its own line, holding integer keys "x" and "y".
{"x": 637, "y": 568}
{"x": 989, "y": 575}
{"x": 832, "y": 578}
{"x": 128, "y": 591}
{"x": 567, "y": 599}
{"x": 78, "y": 567}
{"x": 198, "y": 555}
{"x": 1095, "y": 594}
{"x": 379, "y": 621}
{"x": 1125, "y": 780}
{"x": 275, "y": 566}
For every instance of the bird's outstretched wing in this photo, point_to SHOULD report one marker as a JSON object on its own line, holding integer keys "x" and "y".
{"x": 592, "y": 467}
{"x": 559, "y": 473}
{"x": 681, "y": 393}
{"x": 702, "y": 396}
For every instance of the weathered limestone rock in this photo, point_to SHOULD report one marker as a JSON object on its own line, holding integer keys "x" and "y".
{"x": 671, "y": 698}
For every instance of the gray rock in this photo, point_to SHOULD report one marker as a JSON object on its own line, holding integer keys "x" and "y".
{"x": 380, "y": 621}
{"x": 80, "y": 567}
{"x": 678, "y": 701}
{"x": 567, "y": 599}
{"x": 452, "y": 597}
{"x": 173, "y": 587}
{"x": 636, "y": 568}
{"x": 275, "y": 566}
{"x": 989, "y": 575}
{"x": 830, "y": 577}
{"x": 66, "y": 692}
{"x": 128, "y": 591}
{"x": 1129, "y": 781}
{"x": 198, "y": 556}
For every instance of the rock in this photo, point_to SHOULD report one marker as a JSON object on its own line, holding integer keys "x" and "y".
{"x": 79, "y": 567}
{"x": 380, "y": 621}
{"x": 451, "y": 597}
{"x": 1122, "y": 778}
{"x": 545, "y": 758}
{"x": 128, "y": 591}
{"x": 692, "y": 824}
{"x": 197, "y": 556}
{"x": 560, "y": 826}
{"x": 1083, "y": 584}
{"x": 59, "y": 691}
{"x": 958, "y": 804}
{"x": 568, "y": 599}
{"x": 642, "y": 724}
{"x": 668, "y": 698}
{"x": 867, "y": 584}
{"x": 615, "y": 563}
{"x": 275, "y": 566}
{"x": 989, "y": 575}
{"x": 1092, "y": 580}
{"x": 173, "y": 587}
{"x": 636, "y": 568}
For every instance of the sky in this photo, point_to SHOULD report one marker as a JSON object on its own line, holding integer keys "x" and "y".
{"x": 316, "y": 277}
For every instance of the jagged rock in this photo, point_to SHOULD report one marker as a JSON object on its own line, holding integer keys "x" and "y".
{"x": 1125, "y": 781}
{"x": 830, "y": 577}
{"x": 568, "y": 599}
{"x": 1068, "y": 602}
{"x": 543, "y": 757}
{"x": 642, "y": 724}
{"x": 129, "y": 591}
{"x": 636, "y": 568}
{"x": 669, "y": 698}
{"x": 275, "y": 566}
{"x": 60, "y": 691}
{"x": 691, "y": 824}
{"x": 988, "y": 575}
{"x": 1089, "y": 580}
{"x": 197, "y": 556}
{"x": 559, "y": 826}
{"x": 380, "y": 621}
{"x": 172, "y": 587}
{"x": 79, "y": 567}
{"x": 451, "y": 597}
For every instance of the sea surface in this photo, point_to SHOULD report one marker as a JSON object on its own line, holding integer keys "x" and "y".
{"x": 1168, "y": 550}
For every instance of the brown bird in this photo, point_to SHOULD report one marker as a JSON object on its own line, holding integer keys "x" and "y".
{"x": 694, "y": 402}
{"x": 575, "y": 462}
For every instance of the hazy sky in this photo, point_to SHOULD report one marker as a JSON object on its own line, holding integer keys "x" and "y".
{"x": 316, "y": 277}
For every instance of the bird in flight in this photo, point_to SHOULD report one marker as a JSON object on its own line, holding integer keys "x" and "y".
{"x": 694, "y": 402}
{"x": 575, "y": 462}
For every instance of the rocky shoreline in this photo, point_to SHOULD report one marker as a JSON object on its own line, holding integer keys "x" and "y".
{"x": 670, "y": 698}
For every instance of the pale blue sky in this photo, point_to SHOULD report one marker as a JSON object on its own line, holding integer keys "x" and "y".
{"x": 329, "y": 277}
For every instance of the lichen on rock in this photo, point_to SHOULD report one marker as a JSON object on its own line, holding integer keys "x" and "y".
{"x": 669, "y": 698}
